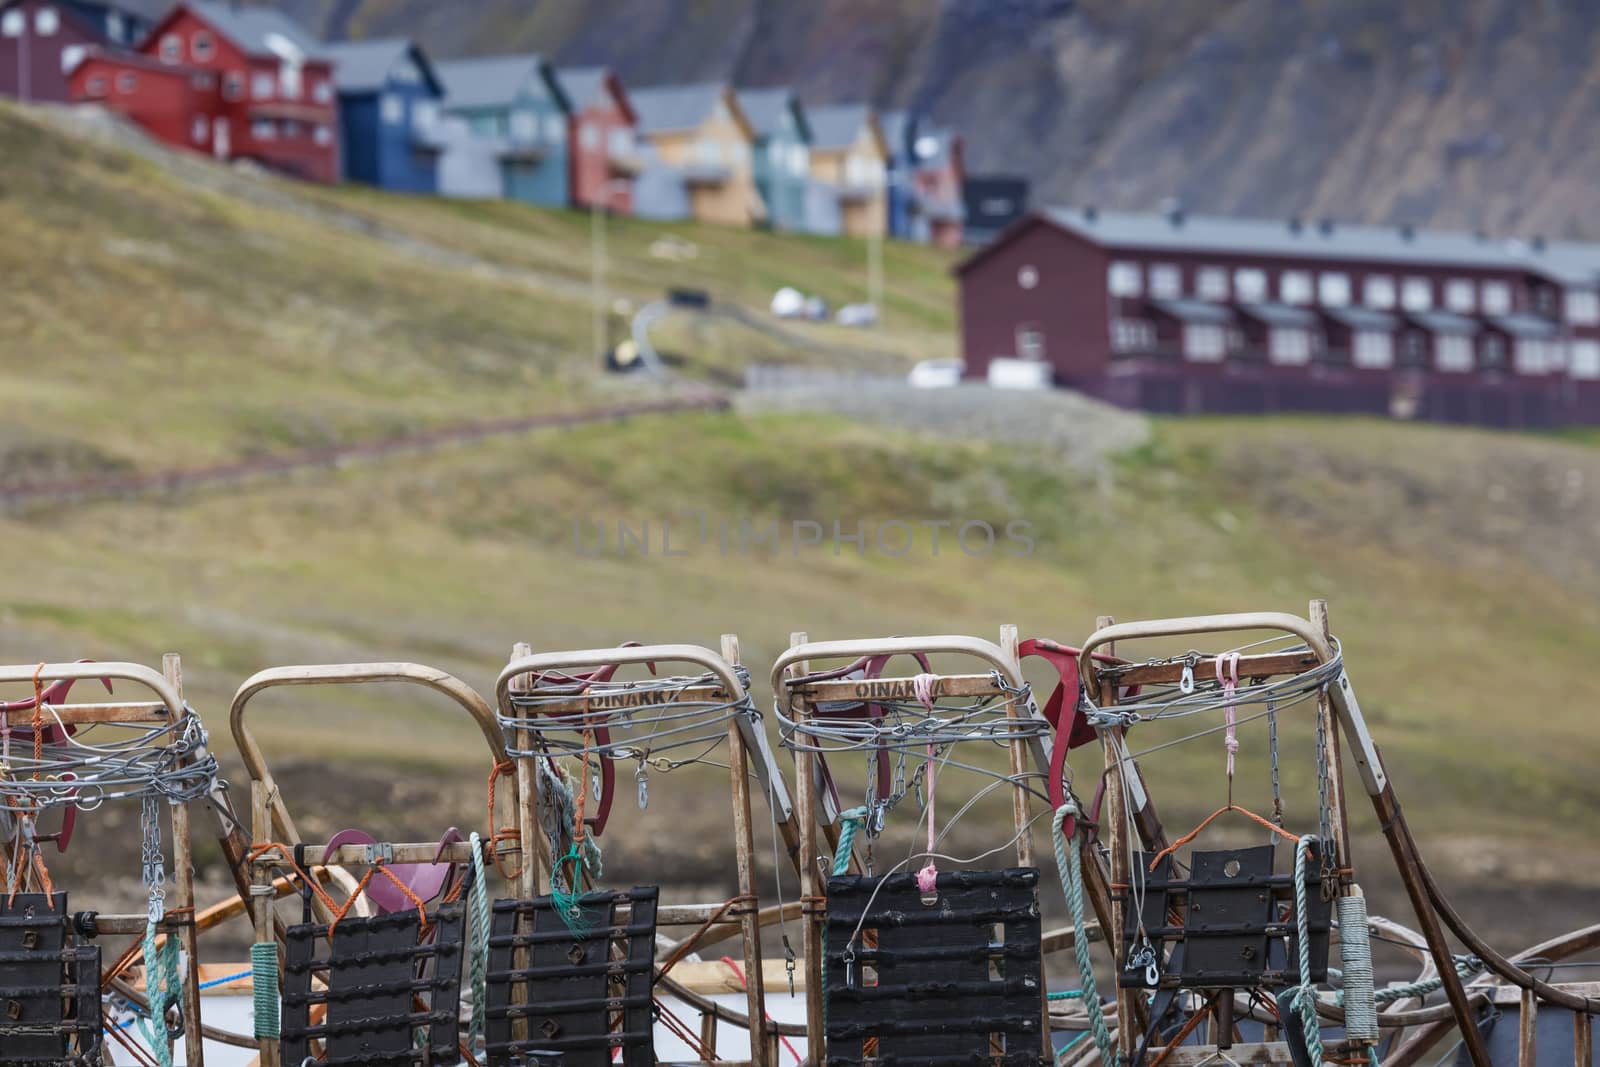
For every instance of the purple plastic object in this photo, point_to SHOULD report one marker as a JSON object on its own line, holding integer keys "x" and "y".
{"x": 426, "y": 880}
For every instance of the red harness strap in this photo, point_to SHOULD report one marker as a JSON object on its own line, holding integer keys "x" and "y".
{"x": 602, "y": 734}
{"x": 1072, "y": 730}
{"x": 55, "y": 693}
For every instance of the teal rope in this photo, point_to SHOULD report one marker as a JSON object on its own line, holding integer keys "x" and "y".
{"x": 1065, "y": 994}
{"x": 264, "y": 987}
{"x": 161, "y": 987}
{"x": 565, "y": 893}
{"x": 1305, "y": 994}
{"x": 1070, "y": 864}
{"x": 1466, "y": 967}
{"x": 478, "y": 961}
{"x": 850, "y": 824}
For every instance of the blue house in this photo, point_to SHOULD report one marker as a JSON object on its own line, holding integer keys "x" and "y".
{"x": 507, "y": 130}
{"x": 389, "y": 100}
{"x": 782, "y": 153}
{"x": 899, "y": 129}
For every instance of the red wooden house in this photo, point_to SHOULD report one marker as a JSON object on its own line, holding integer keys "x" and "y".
{"x": 1179, "y": 313}
{"x": 602, "y": 153}
{"x": 258, "y": 83}
{"x": 41, "y": 41}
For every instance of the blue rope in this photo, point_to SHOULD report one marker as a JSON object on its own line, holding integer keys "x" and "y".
{"x": 1070, "y": 865}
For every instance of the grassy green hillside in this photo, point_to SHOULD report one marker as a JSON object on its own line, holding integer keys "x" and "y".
{"x": 154, "y": 319}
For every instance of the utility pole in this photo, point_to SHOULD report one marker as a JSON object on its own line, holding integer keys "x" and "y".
{"x": 597, "y": 259}
{"x": 875, "y": 270}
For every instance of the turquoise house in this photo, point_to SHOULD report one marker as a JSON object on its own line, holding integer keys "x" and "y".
{"x": 781, "y": 159}
{"x": 506, "y": 130}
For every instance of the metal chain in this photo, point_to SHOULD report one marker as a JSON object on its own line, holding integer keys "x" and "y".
{"x": 1272, "y": 750}
{"x": 154, "y": 864}
{"x": 1330, "y": 863}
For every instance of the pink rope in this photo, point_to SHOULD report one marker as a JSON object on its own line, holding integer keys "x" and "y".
{"x": 927, "y": 877}
{"x": 1229, "y": 685}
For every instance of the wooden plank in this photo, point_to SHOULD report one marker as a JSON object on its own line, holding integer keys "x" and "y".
{"x": 85, "y": 714}
{"x": 1262, "y": 666}
{"x": 811, "y": 885}
{"x": 183, "y": 892}
{"x": 1114, "y": 828}
{"x": 623, "y": 699}
{"x": 1328, "y": 719}
{"x": 949, "y": 685}
{"x": 1582, "y": 1039}
{"x": 744, "y": 858}
{"x": 1528, "y": 1031}
{"x": 1241, "y": 1052}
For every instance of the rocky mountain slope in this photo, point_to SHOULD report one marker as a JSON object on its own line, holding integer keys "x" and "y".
{"x": 1469, "y": 114}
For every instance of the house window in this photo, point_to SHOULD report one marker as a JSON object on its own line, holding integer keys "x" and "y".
{"x": 292, "y": 129}
{"x": 1454, "y": 352}
{"x": 589, "y": 137}
{"x": 262, "y": 84}
{"x": 1289, "y": 345}
{"x": 1028, "y": 276}
{"x": 263, "y": 130}
{"x": 1586, "y": 359}
{"x": 1494, "y": 351}
{"x": 1416, "y": 294}
{"x": 1030, "y": 343}
{"x": 46, "y": 21}
{"x": 323, "y": 135}
{"x": 171, "y": 48}
{"x": 1204, "y": 342}
{"x": 555, "y": 129}
{"x": 71, "y": 56}
{"x": 233, "y": 86}
{"x": 127, "y": 82}
{"x": 393, "y": 109}
{"x": 202, "y": 47}
{"x": 1544, "y": 300}
{"x": 1373, "y": 349}
{"x": 424, "y": 115}
{"x": 1124, "y": 279}
{"x": 524, "y": 126}
{"x": 116, "y": 29}
{"x": 800, "y": 160}
{"x": 708, "y": 152}
{"x": 204, "y": 82}
{"x": 1536, "y": 355}
{"x": 619, "y": 143}
{"x": 1132, "y": 335}
{"x": 322, "y": 92}
{"x": 13, "y": 22}
{"x": 1378, "y": 291}
{"x": 1166, "y": 281}
{"x": 197, "y": 130}
{"x": 1250, "y": 285}
{"x": 741, "y": 154}
{"x": 96, "y": 85}
{"x": 1294, "y": 287}
{"x": 1333, "y": 290}
{"x": 1211, "y": 283}
{"x": 1583, "y": 307}
{"x": 289, "y": 80}
{"x": 1460, "y": 295}
{"x": 1496, "y": 298}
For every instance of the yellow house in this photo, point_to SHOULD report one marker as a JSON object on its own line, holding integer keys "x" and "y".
{"x": 700, "y": 133}
{"x": 850, "y": 154}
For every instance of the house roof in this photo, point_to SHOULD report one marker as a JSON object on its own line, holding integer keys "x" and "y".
{"x": 365, "y": 66}
{"x": 255, "y": 29}
{"x": 669, "y": 108}
{"x": 1522, "y": 324}
{"x": 1280, "y": 314}
{"x": 493, "y": 81}
{"x": 1361, "y": 318}
{"x": 589, "y": 86}
{"x": 897, "y": 127}
{"x": 1570, "y": 262}
{"x": 1443, "y": 321}
{"x": 1195, "y": 311}
{"x": 764, "y": 109}
{"x": 838, "y": 126}
{"x": 933, "y": 146}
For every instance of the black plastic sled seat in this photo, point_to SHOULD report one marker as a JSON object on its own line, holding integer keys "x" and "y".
{"x": 384, "y": 984}
{"x": 1238, "y": 923}
{"x": 910, "y": 984}
{"x": 49, "y": 986}
{"x": 572, "y": 994}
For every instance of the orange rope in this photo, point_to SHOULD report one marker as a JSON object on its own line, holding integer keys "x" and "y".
{"x": 38, "y": 720}
{"x": 1188, "y": 1027}
{"x": 1207, "y": 821}
{"x": 693, "y": 939}
{"x": 361, "y": 887}
{"x": 288, "y": 858}
{"x": 505, "y": 833}
{"x": 583, "y": 790}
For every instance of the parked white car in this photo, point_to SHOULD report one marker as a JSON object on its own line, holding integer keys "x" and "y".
{"x": 788, "y": 303}
{"x": 936, "y": 374}
{"x": 857, "y": 315}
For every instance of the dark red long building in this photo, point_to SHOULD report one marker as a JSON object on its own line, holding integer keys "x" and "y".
{"x": 1171, "y": 312}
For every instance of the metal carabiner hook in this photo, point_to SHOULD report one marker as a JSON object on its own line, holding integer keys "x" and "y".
{"x": 1186, "y": 680}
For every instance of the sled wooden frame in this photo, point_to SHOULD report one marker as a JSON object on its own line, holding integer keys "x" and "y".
{"x": 747, "y": 742}
{"x": 168, "y": 707}
{"x": 816, "y": 811}
{"x": 1339, "y": 714}
{"x": 270, "y": 818}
